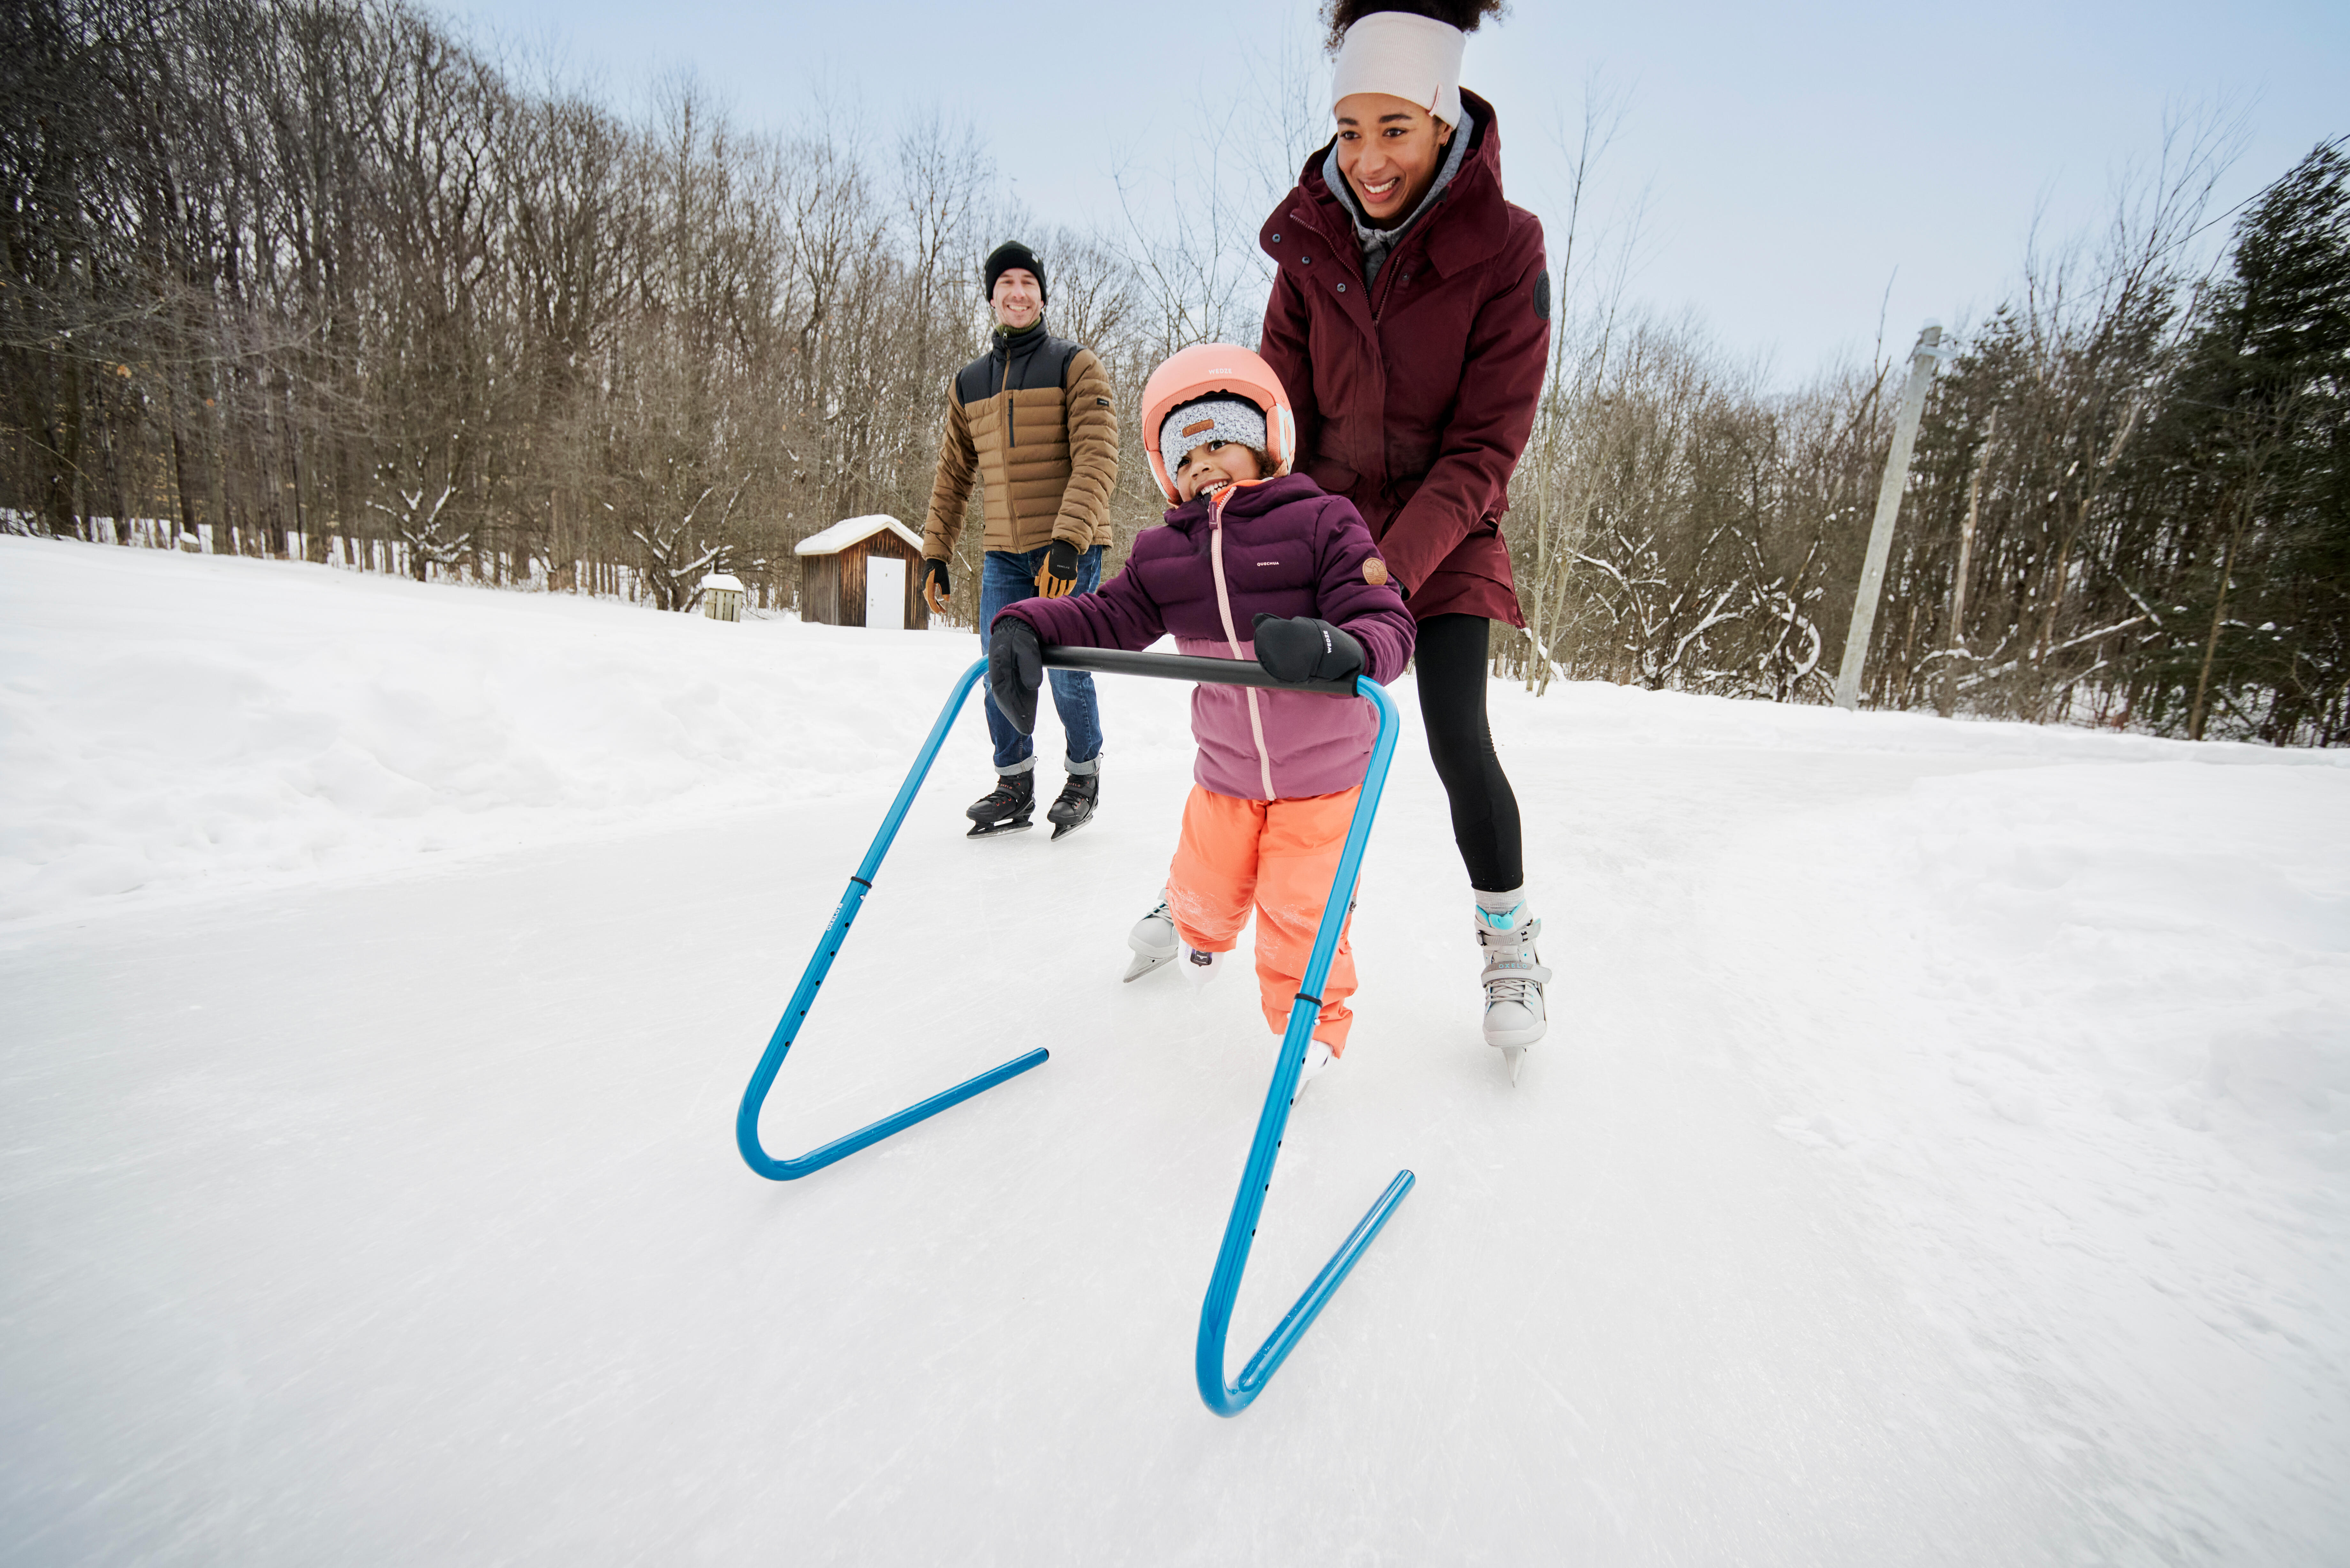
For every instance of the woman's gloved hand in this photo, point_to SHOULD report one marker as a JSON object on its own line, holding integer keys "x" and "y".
{"x": 935, "y": 587}
{"x": 1305, "y": 648}
{"x": 1015, "y": 668}
{"x": 1057, "y": 578}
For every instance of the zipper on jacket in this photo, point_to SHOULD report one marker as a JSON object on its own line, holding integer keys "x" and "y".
{"x": 1388, "y": 271}
{"x": 1011, "y": 423}
{"x": 1231, "y": 635}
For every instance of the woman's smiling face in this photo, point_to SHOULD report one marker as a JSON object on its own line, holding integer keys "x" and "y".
{"x": 1388, "y": 148}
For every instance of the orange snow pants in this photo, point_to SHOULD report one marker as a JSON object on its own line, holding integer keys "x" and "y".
{"x": 1279, "y": 855}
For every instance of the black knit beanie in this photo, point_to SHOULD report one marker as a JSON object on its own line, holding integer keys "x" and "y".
{"x": 1006, "y": 257}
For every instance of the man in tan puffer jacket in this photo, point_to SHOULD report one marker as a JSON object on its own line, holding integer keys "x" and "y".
{"x": 1032, "y": 421}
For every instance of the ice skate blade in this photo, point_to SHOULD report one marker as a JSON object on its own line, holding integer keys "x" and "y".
{"x": 1062, "y": 830}
{"x": 1144, "y": 964}
{"x": 998, "y": 829}
{"x": 1515, "y": 1058}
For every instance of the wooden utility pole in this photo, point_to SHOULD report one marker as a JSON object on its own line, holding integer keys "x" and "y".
{"x": 1888, "y": 508}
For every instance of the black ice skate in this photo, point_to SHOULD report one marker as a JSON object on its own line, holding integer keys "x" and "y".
{"x": 1005, "y": 809}
{"x": 1076, "y": 807}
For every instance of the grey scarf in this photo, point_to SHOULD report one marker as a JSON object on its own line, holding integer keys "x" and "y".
{"x": 1377, "y": 244}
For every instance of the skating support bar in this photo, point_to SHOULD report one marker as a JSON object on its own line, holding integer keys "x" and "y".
{"x": 746, "y": 1119}
{"x": 1240, "y": 1230}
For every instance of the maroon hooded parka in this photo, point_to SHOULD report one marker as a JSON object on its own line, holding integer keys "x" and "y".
{"x": 1414, "y": 396}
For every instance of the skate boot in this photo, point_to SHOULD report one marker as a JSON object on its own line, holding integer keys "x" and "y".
{"x": 1153, "y": 940}
{"x": 1514, "y": 979}
{"x": 1005, "y": 808}
{"x": 1076, "y": 807}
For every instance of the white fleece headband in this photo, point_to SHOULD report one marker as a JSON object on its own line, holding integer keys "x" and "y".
{"x": 1417, "y": 59}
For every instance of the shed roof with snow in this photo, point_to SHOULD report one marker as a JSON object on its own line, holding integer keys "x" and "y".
{"x": 854, "y": 530}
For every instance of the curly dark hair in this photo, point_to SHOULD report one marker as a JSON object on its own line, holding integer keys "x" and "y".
{"x": 1464, "y": 15}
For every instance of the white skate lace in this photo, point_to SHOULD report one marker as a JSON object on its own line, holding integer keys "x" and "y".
{"x": 1510, "y": 988}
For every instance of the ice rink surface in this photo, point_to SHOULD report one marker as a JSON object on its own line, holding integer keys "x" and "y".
{"x": 1941, "y": 1152}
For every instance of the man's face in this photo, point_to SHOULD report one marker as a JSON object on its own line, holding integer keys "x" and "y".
{"x": 1388, "y": 148}
{"x": 1215, "y": 465}
{"x": 1018, "y": 299}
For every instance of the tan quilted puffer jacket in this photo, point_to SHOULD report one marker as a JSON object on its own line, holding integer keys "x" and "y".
{"x": 1033, "y": 422}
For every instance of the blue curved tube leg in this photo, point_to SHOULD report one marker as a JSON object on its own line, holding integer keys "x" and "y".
{"x": 1230, "y": 1398}
{"x": 746, "y": 1119}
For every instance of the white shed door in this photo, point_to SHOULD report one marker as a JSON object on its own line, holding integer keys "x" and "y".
{"x": 885, "y": 593}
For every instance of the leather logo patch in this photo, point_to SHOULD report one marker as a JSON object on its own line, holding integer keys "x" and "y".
{"x": 1375, "y": 572}
{"x": 1198, "y": 425}
{"x": 1105, "y": 401}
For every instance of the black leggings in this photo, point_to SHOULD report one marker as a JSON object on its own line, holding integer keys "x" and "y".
{"x": 1451, "y": 661}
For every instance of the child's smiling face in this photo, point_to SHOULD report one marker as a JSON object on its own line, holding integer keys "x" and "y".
{"x": 1212, "y": 466}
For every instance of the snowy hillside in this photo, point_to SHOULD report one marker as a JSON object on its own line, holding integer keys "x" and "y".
{"x": 1942, "y": 1153}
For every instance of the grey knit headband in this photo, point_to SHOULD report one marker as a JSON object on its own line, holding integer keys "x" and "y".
{"x": 1210, "y": 419}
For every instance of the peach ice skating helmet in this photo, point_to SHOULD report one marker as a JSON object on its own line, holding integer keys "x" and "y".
{"x": 1206, "y": 369}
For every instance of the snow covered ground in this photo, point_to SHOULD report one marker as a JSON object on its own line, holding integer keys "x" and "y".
{"x": 1942, "y": 1153}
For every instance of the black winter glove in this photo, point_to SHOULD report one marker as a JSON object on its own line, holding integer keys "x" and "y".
{"x": 1057, "y": 578}
{"x": 1015, "y": 668}
{"x": 935, "y": 587}
{"x": 1307, "y": 649}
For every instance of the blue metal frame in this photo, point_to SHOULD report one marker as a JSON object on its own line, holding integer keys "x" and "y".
{"x": 1230, "y": 1398}
{"x": 1225, "y": 1399}
{"x": 746, "y": 1119}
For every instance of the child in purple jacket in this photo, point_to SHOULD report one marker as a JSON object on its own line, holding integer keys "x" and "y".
{"x": 1252, "y": 561}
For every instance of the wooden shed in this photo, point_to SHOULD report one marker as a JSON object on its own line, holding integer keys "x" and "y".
{"x": 866, "y": 571}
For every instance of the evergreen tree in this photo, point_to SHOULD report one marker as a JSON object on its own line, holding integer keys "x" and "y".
{"x": 2257, "y": 452}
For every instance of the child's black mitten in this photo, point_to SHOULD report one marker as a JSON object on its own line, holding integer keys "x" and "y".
{"x": 1015, "y": 668}
{"x": 1307, "y": 649}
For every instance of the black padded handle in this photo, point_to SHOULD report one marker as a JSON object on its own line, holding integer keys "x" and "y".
{"x": 1187, "y": 667}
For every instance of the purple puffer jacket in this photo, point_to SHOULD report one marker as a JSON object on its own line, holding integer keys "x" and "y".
{"x": 1278, "y": 546}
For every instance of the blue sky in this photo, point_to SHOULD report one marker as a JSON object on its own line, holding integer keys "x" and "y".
{"x": 1787, "y": 163}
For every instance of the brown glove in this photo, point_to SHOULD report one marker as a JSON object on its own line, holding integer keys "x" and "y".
{"x": 1057, "y": 578}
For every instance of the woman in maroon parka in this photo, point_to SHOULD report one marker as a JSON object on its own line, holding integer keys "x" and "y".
{"x": 1410, "y": 324}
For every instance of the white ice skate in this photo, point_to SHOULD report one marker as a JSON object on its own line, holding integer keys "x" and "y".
{"x": 1318, "y": 1056}
{"x": 1514, "y": 979}
{"x": 1153, "y": 940}
{"x": 1200, "y": 967}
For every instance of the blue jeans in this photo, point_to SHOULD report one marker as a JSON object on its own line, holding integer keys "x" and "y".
{"x": 1009, "y": 577}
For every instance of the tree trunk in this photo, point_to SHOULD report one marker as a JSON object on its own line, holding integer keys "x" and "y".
{"x": 2219, "y": 619}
